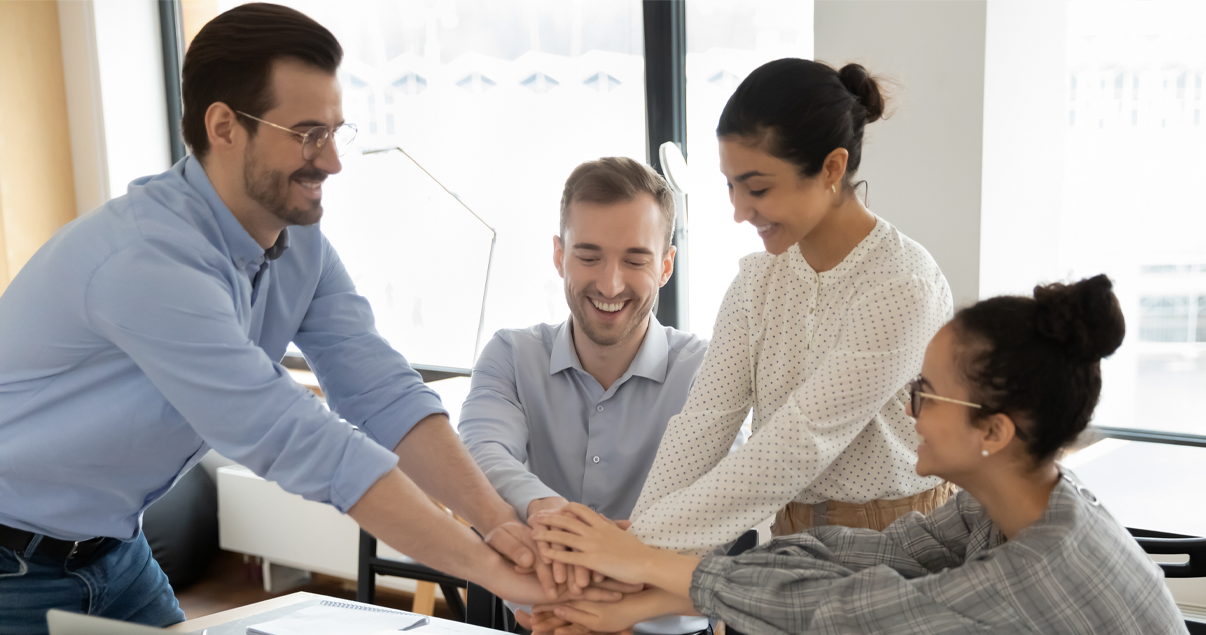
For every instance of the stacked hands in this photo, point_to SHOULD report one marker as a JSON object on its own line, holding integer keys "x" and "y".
{"x": 597, "y": 577}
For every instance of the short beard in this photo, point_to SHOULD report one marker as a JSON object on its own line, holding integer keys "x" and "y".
{"x": 582, "y": 323}
{"x": 270, "y": 188}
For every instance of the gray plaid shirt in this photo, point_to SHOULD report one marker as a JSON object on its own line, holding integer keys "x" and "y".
{"x": 1076, "y": 570}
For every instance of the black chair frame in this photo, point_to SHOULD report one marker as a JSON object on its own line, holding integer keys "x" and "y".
{"x": 1163, "y": 543}
{"x": 481, "y": 608}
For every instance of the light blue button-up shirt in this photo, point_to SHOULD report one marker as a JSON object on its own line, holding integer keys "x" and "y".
{"x": 539, "y": 425}
{"x": 149, "y": 330}
{"x": 531, "y": 403}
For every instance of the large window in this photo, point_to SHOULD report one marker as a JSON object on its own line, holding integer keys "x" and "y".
{"x": 725, "y": 41}
{"x": 499, "y": 100}
{"x": 1103, "y": 173}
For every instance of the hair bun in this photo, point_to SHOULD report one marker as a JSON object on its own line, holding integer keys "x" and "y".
{"x": 857, "y": 80}
{"x": 1084, "y": 317}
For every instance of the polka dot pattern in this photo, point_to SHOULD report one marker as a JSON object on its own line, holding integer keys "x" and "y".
{"x": 823, "y": 360}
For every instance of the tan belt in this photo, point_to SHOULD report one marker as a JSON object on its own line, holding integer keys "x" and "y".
{"x": 876, "y": 514}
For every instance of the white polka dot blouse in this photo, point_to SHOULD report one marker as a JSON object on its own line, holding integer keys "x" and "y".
{"x": 823, "y": 359}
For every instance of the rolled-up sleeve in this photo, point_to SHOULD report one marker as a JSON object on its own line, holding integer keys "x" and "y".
{"x": 175, "y": 319}
{"x": 366, "y": 382}
{"x": 494, "y": 428}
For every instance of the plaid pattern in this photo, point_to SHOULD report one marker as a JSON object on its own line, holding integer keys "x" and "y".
{"x": 1076, "y": 570}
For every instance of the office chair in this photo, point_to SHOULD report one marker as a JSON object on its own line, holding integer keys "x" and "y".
{"x": 480, "y": 608}
{"x": 1161, "y": 543}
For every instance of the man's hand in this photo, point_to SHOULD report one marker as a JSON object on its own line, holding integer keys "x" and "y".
{"x": 536, "y": 507}
{"x": 514, "y": 541}
{"x": 549, "y": 624}
{"x": 619, "y": 616}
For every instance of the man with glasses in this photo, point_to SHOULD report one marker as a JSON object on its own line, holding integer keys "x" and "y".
{"x": 148, "y": 331}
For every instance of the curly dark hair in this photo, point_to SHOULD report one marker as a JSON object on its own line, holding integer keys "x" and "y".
{"x": 1038, "y": 359}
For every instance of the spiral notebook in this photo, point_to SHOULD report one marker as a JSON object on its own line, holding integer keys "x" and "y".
{"x": 345, "y": 618}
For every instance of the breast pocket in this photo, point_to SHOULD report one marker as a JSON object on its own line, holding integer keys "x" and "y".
{"x": 11, "y": 565}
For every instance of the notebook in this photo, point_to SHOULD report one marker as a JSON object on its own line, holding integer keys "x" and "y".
{"x": 346, "y": 618}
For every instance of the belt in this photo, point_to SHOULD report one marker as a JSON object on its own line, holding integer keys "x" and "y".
{"x": 27, "y": 543}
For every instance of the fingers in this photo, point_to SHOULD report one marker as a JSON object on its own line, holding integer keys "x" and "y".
{"x": 523, "y": 618}
{"x": 559, "y": 573}
{"x": 568, "y": 557}
{"x": 509, "y": 545}
{"x": 572, "y": 629}
{"x": 598, "y": 578}
{"x": 595, "y": 594}
{"x": 624, "y": 524}
{"x": 558, "y": 538}
{"x": 582, "y": 576}
{"x": 612, "y": 584}
{"x": 562, "y": 521}
{"x": 576, "y": 615}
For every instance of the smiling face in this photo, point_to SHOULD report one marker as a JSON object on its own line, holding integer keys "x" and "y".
{"x": 769, "y": 193}
{"x": 613, "y": 263}
{"x": 951, "y": 445}
{"x": 275, "y": 175}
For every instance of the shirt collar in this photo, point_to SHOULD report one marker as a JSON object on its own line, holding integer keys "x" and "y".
{"x": 651, "y": 360}
{"x": 241, "y": 246}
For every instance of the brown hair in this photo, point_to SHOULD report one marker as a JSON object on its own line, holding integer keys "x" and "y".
{"x": 230, "y": 61}
{"x": 614, "y": 180}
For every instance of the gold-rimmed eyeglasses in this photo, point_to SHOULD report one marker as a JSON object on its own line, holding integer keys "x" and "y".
{"x": 916, "y": 396}
{"x": 316, "y": 138}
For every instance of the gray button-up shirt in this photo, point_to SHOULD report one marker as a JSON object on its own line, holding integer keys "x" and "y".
{"x": 539, "y": 425}
{"x": 1075, "y": 571}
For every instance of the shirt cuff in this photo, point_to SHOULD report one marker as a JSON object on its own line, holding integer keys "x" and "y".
{"x": 520, "y": 495}
{"x": 364, "y": 462}
{"x": 707, "y": 579}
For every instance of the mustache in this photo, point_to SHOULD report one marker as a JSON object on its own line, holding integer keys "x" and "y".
{"x": 310, "y": 174}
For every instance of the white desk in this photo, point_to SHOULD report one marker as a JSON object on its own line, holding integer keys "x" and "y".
{"x": 236, "y": 621}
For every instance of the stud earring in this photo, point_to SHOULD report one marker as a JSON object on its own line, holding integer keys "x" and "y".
{"x": 834, "y": 188}
{"x": 983, "y": 452}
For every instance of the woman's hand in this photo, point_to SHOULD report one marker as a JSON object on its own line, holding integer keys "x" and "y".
{"x": 597, "y": 543}
{"x": 549, "y": 624}
{"x": 617, "y": 616}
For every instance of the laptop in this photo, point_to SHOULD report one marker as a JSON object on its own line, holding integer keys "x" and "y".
{"x": 65, "y": 623}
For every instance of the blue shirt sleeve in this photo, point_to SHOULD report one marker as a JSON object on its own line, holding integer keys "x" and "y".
{"x": 170, "y": 310}
{"x": 494, "y": 428}
{"x": 368, "y": 383}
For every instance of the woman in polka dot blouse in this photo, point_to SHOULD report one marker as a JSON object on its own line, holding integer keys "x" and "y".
{"x": 819, "y": 335}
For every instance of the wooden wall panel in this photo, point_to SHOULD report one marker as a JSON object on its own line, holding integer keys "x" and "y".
{"x": 37, "y": 189}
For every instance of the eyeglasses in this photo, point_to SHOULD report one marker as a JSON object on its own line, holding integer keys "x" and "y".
{"x": 916, "y": 395}
{"x": 316, "y": 138}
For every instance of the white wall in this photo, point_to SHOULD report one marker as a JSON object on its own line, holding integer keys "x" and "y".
{"x": 923, "y": 165}
{"x": 113, "y": 66}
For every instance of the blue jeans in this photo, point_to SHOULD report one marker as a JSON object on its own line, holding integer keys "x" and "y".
{"x": 122, "y": 582}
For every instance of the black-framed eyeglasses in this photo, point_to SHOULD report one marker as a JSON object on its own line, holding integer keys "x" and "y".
{"x": 317, "y": 138}
{"x": 917, "y": 396}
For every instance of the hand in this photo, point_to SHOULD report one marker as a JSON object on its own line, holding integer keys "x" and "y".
{"x": 549, "y": 624}
{"x": 513, "y": 540}
{"x": 597, "y": 544}
{"x": 548, "y": 504}
{"x": 613, "y": 617}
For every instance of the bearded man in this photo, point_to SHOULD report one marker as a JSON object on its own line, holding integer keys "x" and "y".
{"x": 150, "y": 330}
{"x": 574, "y": 412}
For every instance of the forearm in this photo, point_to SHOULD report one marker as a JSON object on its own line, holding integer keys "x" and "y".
{"x": 397, "y": 512}
{"x": 433, "y": 456}
{"x": 671, "y": 572}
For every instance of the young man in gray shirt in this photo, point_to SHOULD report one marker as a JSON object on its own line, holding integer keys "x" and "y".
{"x": 575, "y": 411}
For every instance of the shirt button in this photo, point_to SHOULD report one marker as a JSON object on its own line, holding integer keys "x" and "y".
{"x": 593, "y": 508}
{"x": 600, "y": 408}
{"x": 596, "y": 459}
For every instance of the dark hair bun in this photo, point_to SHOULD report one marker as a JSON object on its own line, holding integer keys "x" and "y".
{"x": 1083, "y": 317}
{"x": 857, "y": 80}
